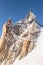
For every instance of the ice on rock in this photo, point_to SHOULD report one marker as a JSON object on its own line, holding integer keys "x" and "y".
{"x": 18, "y": 39}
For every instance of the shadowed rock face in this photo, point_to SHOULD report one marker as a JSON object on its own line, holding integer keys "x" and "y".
{"x": 18, "y": 39}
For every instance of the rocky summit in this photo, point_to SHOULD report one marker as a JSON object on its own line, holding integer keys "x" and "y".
{"x": 18, "y": 39}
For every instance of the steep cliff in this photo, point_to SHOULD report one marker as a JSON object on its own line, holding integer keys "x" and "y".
{"x": 18, "y": 39}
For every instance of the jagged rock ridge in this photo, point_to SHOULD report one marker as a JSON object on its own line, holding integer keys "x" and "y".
{"x": 18, "y": 39}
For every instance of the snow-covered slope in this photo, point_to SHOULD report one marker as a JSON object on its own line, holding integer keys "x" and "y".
{"x": 36, "y": 56}
{"x": 19, "y": 41}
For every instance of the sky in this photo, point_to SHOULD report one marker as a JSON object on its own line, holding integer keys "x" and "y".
{"x": 18, "y": 9}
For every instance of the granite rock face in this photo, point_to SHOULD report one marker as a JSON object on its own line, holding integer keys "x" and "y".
{"x": 18, "y": 39}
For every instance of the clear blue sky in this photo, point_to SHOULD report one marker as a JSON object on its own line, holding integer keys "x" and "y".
{"x": 18, "y": 9}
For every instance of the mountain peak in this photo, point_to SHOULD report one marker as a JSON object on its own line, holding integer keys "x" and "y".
{"x": 31, "y": 16}
{"x": 9, "y": 21}
{"x": 19, "y": 39}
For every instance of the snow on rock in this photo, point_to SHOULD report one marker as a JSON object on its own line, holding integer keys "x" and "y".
{"x": 36, "y": 56}
{"x": 19, "y": 41}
